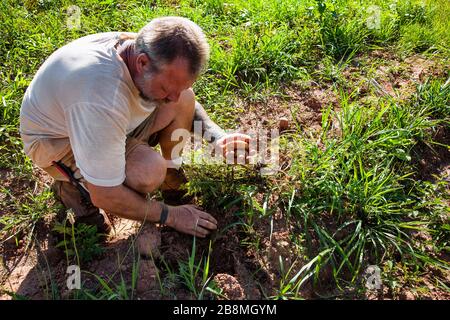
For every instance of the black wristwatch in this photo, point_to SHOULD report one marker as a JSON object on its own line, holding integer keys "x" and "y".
{"x": 164, "y": 213}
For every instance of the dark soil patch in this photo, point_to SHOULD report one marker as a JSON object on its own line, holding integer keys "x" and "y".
{"x": 302, "y": 108}
{"x": 434, "y": 160}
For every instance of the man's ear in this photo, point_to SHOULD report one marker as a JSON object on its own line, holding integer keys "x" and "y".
{"x": 142, "y": 63}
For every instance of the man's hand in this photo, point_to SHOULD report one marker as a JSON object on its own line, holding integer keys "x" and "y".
{"x": 234, "y": 147}
{"x": 191, "y": 220}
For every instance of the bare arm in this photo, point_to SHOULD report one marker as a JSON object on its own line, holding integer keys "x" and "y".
{"x": 210, "y": 130}
{"x": 126, "y": 203}
{"x": 228, "y": 144}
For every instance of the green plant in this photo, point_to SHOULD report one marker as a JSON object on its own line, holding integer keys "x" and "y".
{"x": 289, "y": 284}
{"x": 21, "y": 215}
{"x": 193, "y": 276}
{"x": 358, "y": 200}
{"x": 80, "y": 241}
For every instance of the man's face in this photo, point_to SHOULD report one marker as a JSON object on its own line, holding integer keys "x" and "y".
{"x": 166, "y": 84}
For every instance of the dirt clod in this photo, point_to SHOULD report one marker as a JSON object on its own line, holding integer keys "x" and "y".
{"x": 147, "y": 278}
{"x": 407, "y": 295}
{"x": 231, "y": 288}
{"x": 283, "y": 123}
{"x": 148, "y": 241}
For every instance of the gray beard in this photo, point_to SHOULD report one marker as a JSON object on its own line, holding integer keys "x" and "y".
{"x": 152, "y": 100}
{"x": 146, "y": 98}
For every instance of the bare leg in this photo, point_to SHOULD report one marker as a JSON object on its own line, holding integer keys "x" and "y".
{"x": 172, "y": 117}
{"x": 183, "y": 120}
{"x": 145, "y": 168}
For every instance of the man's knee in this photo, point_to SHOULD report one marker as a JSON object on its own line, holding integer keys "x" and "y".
{"x": 151, "y": 175}
{"x": 187, "y": 101}
{"x": 146, "y": 170}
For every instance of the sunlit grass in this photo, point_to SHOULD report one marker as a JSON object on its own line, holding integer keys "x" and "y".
{"x": 354, "y": 193}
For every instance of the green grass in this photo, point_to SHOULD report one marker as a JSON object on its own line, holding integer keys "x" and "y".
{"x": 359, "y": 195}
{"x": 21, "y": 215}
{"x": 353, "y": 190}
{"x": 196, "y": 277}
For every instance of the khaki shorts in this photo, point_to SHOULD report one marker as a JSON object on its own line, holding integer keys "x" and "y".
{"x": 140, "y": 135}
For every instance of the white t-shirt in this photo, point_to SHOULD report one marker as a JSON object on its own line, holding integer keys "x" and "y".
{"x": 85, "y": 92}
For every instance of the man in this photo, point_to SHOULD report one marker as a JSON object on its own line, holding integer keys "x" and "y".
{"x": 98, "y": 105}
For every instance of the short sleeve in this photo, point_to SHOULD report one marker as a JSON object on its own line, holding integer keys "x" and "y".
{"x": 97, "y": 136}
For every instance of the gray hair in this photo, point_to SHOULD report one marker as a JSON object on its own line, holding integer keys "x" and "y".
{"x": 167, "y": 38}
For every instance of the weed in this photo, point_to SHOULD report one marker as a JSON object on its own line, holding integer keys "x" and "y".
{"x": 80, "y": 241}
